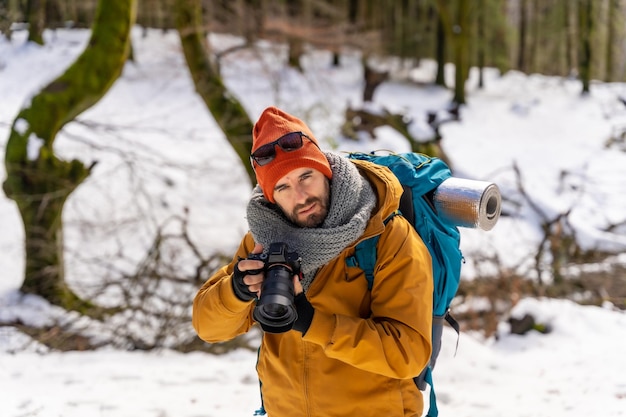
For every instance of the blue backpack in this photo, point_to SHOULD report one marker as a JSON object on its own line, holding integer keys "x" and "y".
{"x": 420, "y": 175}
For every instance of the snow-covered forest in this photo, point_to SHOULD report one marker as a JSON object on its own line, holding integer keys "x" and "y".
{"x": 165, "y": 200}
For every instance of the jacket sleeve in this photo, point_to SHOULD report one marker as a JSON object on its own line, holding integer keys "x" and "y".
{"x": 395, "y": 340}
{"x": 218, "y": 314}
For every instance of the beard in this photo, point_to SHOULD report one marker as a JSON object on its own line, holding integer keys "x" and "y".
{"x": 313, "y": 219}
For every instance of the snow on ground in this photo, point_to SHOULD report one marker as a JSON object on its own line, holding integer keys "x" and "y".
{"x": 159, "y": 151}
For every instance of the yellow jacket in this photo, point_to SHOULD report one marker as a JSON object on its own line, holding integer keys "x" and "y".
{"x": 363, "y": 347}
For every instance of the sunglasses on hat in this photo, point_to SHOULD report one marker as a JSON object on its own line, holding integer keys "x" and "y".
{"x": 290, "y": 142}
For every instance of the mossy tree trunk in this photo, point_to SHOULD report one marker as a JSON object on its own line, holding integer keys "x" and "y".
{"x": 37, "y": 180}
{"x": 457, "y": 30}
{"x": 226, "y": 109}
{"x": 36, "y": 20}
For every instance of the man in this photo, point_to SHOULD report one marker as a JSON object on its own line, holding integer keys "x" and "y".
{"x": 351, "y": 351}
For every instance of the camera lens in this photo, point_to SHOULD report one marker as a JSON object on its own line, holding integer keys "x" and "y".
{"x": 275, "y": 310}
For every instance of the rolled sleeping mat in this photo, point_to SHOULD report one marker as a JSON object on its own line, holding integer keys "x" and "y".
{"x": 468, "y": 203}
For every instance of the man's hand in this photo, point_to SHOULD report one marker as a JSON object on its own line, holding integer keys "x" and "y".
{"x": 248, "y": 276}
{"x": 297, "y": 286}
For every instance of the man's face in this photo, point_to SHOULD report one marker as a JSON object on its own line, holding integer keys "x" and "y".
{"x": 303, "y": 195}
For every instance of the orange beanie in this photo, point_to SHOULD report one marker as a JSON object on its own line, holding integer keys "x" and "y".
{"x": 273, "y": 124}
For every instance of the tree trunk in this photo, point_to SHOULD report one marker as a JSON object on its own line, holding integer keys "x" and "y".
{"x": 536, "y": 22}
{"x": 457, "y": 32}
{"x": 481, "y": 41}
{"x": 9, "y": 14}
{"x": 373, "y": 79}
{"x": 297, "y": 11}
{"x": 570, "y": 36}
{"x": 37, "y": 180}
{"x": 523, "y": 28}
{"x": 461, "y": 51}
{"x": 612, "y": 19}
{"x": 440, "y": 52}
{"x": 585, "y": 20}
{"x": 227, "y": 111}
{"x": 36, "y": 20}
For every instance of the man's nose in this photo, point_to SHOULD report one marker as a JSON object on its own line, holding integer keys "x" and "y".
{"x": 301, "y": 194}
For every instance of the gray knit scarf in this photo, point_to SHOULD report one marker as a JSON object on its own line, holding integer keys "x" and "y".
{"x": 352, "y": 201}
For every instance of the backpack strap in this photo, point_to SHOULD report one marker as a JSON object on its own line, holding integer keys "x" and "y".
{"x": 365, "y": 254}
{"x": 426, "y": 377}
{"x": 433, "y": 411}
{"x": 406, "y": 204}
{"x": 365, "y": 258}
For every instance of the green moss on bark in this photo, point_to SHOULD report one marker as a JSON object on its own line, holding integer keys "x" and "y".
{"x": 226, "y": 109}
{"x": 37, "y": 180}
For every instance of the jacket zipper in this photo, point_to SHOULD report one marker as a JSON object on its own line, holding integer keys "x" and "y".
{"x": 305, "y": 378}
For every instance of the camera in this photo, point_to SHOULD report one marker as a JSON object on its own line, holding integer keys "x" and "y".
{"x": 275, "y": 310}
